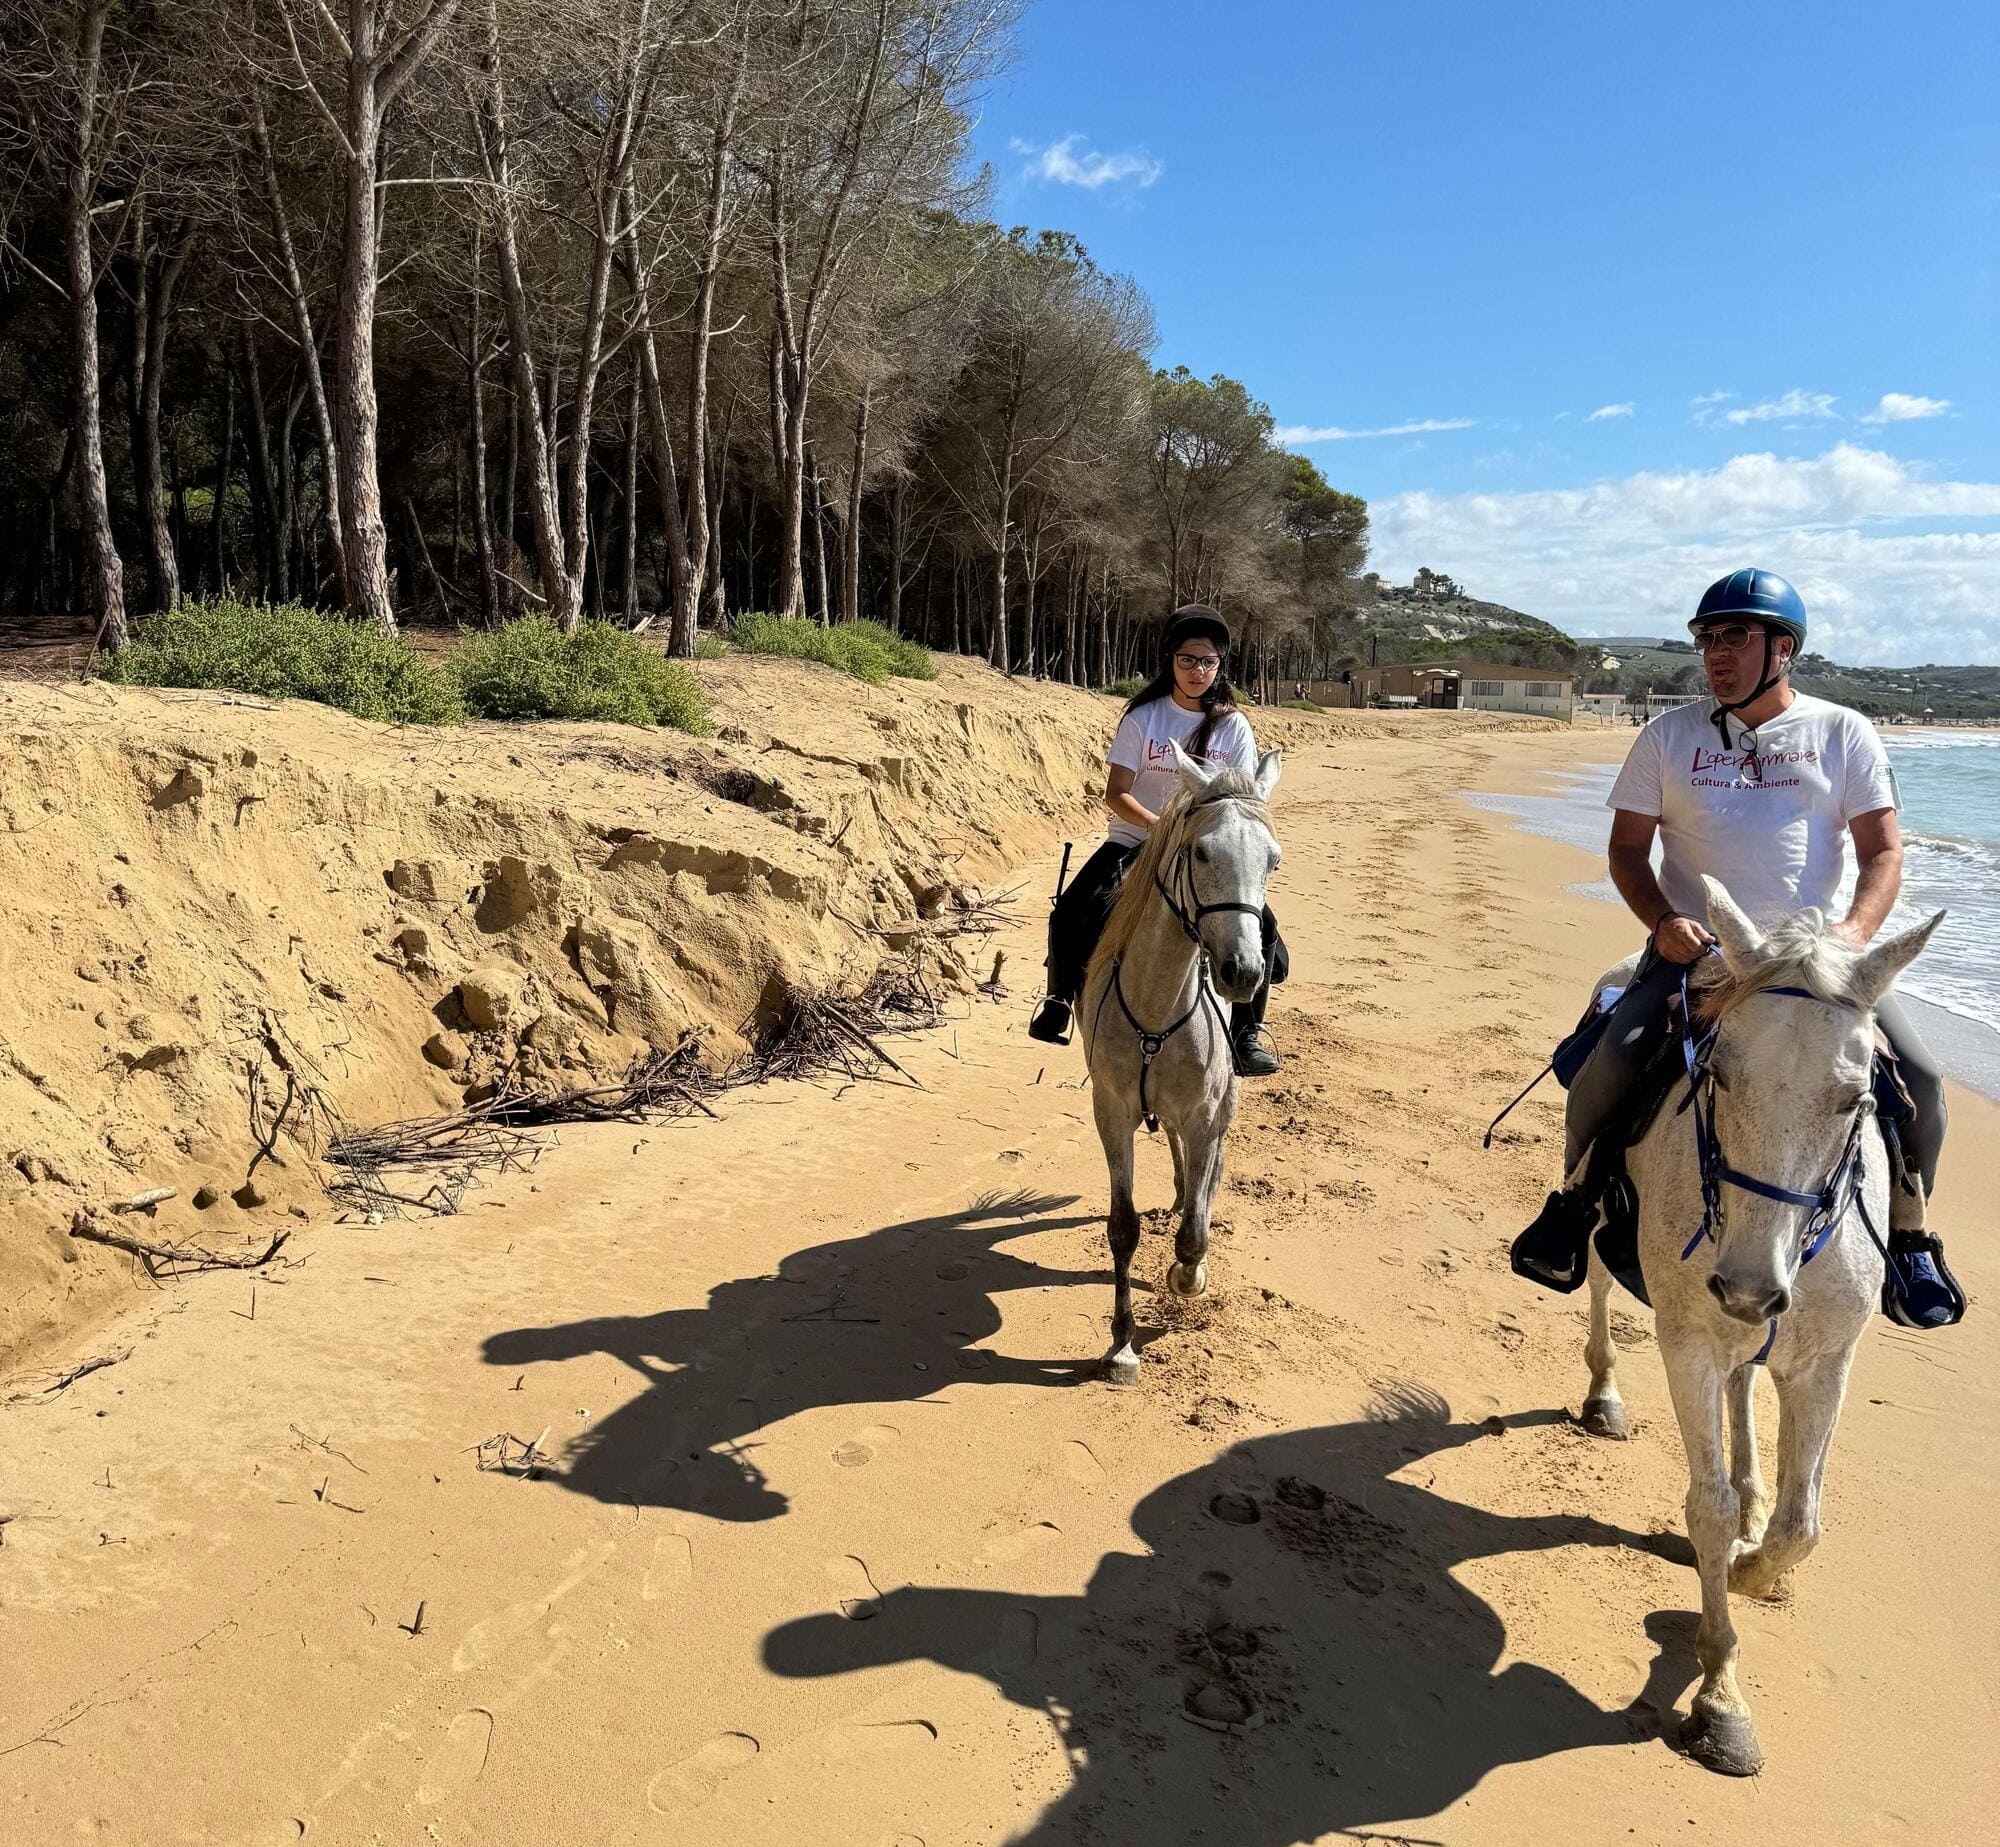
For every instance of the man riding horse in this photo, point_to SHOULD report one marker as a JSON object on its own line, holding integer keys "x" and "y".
{"x": 1189, "y": 703}
{"x": 1755, "y": 787}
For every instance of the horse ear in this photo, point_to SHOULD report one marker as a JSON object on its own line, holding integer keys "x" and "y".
{"x": 1879, "y": 966}
{"x": 1196, "y": 775}
{"x": 1268, "y": 767}
{"x": 1739, "y": 937}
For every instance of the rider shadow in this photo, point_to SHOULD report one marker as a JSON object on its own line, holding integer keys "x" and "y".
{"x": 1336, "y": 1674}
{"x": 891, "y": 1315}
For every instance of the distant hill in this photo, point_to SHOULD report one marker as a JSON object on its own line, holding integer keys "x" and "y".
{"x": 1434, "y": 620}
{"x": 1881, "y": 692}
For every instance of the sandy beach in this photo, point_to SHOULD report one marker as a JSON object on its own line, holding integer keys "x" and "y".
{"x": 844, "y": 1539}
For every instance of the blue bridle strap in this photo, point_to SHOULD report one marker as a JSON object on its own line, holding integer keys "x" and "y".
{"x": 1841, "y": 1190}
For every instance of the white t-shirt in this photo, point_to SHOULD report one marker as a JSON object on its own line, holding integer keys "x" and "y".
{"x": 1144, "y": 745}
{"x": 1770, "y": 823}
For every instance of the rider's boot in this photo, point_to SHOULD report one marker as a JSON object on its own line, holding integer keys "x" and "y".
{"x": 1555, "y": 1250}
{"x": 1918, "y": 1288}
{"x": 1249, "y": 1043}
{"x": 1051, "y": 1022}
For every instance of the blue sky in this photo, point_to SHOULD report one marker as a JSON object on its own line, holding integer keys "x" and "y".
{"x": 1637, "y": 293}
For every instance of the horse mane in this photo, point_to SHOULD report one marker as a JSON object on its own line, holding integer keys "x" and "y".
{"x": 1230, "y": 784}
{"x": 1799, "y": 952}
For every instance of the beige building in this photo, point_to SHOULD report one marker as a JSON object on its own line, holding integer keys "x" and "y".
{"x": 1482, "y": 686}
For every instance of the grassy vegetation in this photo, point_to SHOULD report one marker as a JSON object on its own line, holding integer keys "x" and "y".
{"x": 531, "y": 669}
{"x": 1125, "y": 689}
{"x": 286, "y": 651}
{"x": 866, "y": 650}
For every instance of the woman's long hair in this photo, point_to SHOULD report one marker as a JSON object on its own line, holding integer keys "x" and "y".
{"x": 1217, "y": 703}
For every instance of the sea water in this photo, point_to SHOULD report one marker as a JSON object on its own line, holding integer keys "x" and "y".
{"x": 1949, "y": 782}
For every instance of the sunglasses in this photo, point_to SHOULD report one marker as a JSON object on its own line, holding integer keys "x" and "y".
{"x": 1197, "y": 663}
{"x": 1736, "y": 636}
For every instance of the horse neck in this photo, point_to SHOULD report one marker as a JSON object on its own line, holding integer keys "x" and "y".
{"x": 1160, "y": 965}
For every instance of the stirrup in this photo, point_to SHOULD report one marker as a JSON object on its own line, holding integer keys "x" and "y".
{"x": 1251, "y": 1055}
{"x": 1051, "y": 1022}
{"x": 1555, "y": 1250}
{"x": 1918, "y": 1288}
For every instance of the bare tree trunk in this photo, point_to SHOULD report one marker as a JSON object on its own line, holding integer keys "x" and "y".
{"x": 629, "y": 571}
{"x": 818, "y": 515}
{"x": 104, "y": 572}
{"x": 718, "y": 595}
{"x": 263, "y": 481}
{"x": 897, "y": 532}
{"x": 375, "y": 73}
{"x": 850, "y": 590}
{"x": 219, "y": 501}
{"x": 302, "y": 326}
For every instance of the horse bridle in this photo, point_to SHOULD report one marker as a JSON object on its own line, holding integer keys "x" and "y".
{"x": 1840, "y": 1191}
{"x": 1152, "y": 1044}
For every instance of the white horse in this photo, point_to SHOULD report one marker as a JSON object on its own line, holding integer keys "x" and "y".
{"x": 1756, "y": 1204}
{"x": 1184, "y": 940}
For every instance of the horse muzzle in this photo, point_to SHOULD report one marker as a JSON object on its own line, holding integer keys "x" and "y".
{"x": 1238, "y": 977}
{"x": 1749, "y": 1299}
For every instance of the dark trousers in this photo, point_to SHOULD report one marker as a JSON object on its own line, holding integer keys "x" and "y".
{"x": 1081, "y": 912}
{"x": 1640, "y": 1024}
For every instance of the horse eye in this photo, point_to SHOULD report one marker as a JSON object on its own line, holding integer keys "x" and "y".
{"x": 1721, "y": 1076}
{"x": 1201, "y": 851}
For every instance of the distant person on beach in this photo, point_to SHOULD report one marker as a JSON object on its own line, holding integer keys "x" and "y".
{"x": 1188, "y": 702}
{"x": 1758, "y": 787}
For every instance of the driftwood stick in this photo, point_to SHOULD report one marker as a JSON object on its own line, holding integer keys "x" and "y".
{"x": 181, "y": 1257}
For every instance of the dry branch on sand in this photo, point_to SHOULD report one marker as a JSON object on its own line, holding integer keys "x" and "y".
{"x": 63, "y": 1381}
{"x": 163, "y": 1261}
{"x": 964, "y": 912}
{"x": 500, "y": 1133}
{"x": 820, "y": 1033}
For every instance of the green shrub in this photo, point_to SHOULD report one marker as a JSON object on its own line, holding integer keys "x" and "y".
{"x": 1300, "y": 705}
{"x": 530, "y": 669}
{"x": 907, "y": 661}
{"x": 710, "y": 648}
{"x": 1126, "y": 688}
{"x": 865, "y": 650}
{"x": 287, "y": 651}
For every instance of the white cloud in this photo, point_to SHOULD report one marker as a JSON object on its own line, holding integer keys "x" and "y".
{"x": 1068, "y": 163}
{"x": 1895, "y": 565}
{"x": 1295, "y": 433}
{"x": 1709, "y": 399}
{"x": 1794, "y": 403}
{"x": 1898, "y": 407}
{"x": 1605, "y": 412}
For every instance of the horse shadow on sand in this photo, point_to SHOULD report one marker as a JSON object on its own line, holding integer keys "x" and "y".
{"x": 888, "y": 1316}
{"x": 1291, "y": 1659}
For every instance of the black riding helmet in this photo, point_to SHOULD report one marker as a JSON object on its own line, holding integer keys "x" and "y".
{"x": 1197, "y": 619}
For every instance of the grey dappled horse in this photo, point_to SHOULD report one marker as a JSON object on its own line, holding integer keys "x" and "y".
{"x": 1183, "y": 942}
{"x": 1772, "y": 1250}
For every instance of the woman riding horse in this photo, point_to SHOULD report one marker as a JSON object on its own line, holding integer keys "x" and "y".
{"x": 1188, "y": 702}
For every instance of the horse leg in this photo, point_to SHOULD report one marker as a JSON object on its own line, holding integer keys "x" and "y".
{"x": 1178, "y": 1148}
{"x": 1189, "y": 1275}
{"x": 1603, "y": 1407}
{"x": 1808, "y": 1408}
{"x": 1753, "y": 1505}
{"x": 1122, "y": 1227}
{"x": 1718, "y": 1733}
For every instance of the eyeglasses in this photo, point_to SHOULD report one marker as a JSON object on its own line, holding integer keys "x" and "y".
{"x": 1735, "y": 637}
{"x": 1197, "y": 663}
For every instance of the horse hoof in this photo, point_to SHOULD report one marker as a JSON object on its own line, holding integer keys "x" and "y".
{"x": 1722, "y": 1742}
{"x": 1605, "y": 1417}
{"x": 1185, "y": 1280}
{"x": 1122, "y": 1368}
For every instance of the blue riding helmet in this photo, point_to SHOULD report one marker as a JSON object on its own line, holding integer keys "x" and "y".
{"x": 1762, "y": 596}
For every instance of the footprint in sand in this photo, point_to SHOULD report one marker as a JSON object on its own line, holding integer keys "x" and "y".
{"x": 1010, "y": 1546}
{"x": 460, "y": 1759}
{"x": 1017, "y": 1640}
{"x": 862, "y": 1447}
{"x": 892, "y": 1736}
{"x": 860, "y": 1601}
{"x": 697, "y": 1776}
{"x": 1081, "y": 1466}
{"x": 671, "y": 1572}
{"x": 484, "y": 1640}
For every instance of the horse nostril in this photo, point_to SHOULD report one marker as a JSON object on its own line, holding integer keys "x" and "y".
{"x": 1779, "y": 1302}
{"x": 1716, "y": 1289}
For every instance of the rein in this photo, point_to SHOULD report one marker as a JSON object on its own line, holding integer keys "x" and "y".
{"x": 1840, "y": 1191}
{"x": 1152, "y": 1044}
